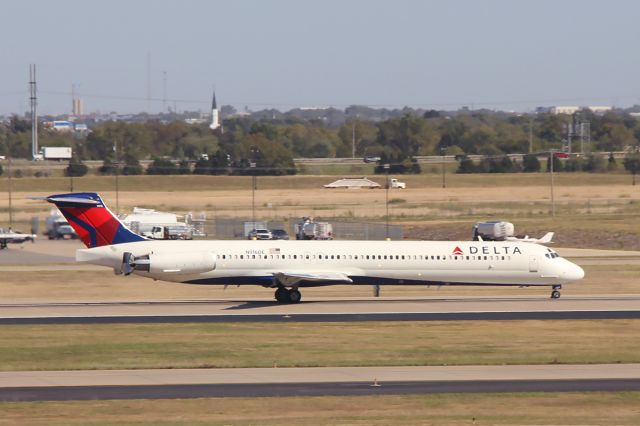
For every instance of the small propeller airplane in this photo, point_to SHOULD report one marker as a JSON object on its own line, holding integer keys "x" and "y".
{"x": 10, "y": 236}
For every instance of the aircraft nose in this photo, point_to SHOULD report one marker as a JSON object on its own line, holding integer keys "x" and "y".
{"x": 573, "y": 272}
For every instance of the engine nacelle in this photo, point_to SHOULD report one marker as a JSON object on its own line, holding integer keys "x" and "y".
{"x": 493, "y": 231}
{"x": 182, "y": 263}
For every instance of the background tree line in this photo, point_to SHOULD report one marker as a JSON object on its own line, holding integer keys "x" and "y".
{"x": 267, "y": 144}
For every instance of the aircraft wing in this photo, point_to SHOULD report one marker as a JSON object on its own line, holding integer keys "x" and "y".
{"x": 294, "y": 278}
{"x": 546, "y": 239}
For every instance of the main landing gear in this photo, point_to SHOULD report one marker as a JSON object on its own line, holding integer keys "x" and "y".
{"x": 555, "y": 293}
{"x": 288, "y": 296}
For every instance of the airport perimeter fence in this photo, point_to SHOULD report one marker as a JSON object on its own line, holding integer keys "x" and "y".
{"x": 223, "y": 228}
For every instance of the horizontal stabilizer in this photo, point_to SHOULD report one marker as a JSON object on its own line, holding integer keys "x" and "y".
{"x": 73, "y": 200}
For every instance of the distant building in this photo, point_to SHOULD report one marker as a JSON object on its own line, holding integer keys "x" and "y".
{"x": 195, "y": 120}
{"x": 600, "y": 109}
{"x": 572, "y": 109}
{"x": 60, "y": 126}
{"x": 564, "y": 109}
{"x": 77, "y": 107}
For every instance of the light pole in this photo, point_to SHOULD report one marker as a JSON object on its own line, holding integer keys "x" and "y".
{"x": 252, "y": 166}
{"x": 353, "y": 139}
{"x": 443, "y": 151}
{"x": 386, "y": 168}
{"x": 530, "y": 134}
{"x": 553, "y": 201}
{"x": 70, "y": 171}
{"x": 9, "y": 188}
{"x": 117, "y": 170}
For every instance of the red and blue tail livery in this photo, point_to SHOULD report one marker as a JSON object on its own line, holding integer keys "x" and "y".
{"x": 95, "y": 224}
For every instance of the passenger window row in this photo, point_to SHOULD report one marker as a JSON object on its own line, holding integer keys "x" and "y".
{"x": 365, "y": 257}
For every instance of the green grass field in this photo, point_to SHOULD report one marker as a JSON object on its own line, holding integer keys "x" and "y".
{"x": 132, "y": 346}
{"x": 592, "y": 408}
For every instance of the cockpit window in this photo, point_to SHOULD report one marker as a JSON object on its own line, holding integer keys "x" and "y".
{"x": 551, "y": 254}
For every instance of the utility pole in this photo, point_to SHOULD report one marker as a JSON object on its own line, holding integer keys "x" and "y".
{"x": 443, "y": 151}
{"x": 530, "y": 134}
{"x": 9, "y": 187}
{"x": 33, "y": 98}
{"x": 353, "y": 139}
{"x": 148, "y": 82}
{"x": 386, "y": 168}
{"x": 117, "y": 170}
{"x": 164, "y": 91}
{"x": 252, "y": 166}
{"x": 553, "y": 201}
{"x": 70, "y": 171}
{"x": 253, "y": 195}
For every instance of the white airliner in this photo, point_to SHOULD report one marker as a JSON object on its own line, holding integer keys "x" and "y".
{"x": 290, "y": 265}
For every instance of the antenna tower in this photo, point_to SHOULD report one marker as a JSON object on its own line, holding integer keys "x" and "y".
{"x": 34, "y": 114}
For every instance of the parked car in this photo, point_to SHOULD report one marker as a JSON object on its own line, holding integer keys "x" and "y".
{"x": 395, "y": 183}
{"x": 260, "y": 234}
{"x": 279, "y": 234}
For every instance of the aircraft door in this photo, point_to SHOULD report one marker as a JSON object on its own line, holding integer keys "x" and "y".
{"x": 533, "y": 264}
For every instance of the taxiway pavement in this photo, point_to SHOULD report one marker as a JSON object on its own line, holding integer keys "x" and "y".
{"x": 193, "y": 383}
{"x": 368, "y": 309}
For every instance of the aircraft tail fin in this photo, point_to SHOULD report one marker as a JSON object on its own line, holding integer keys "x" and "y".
{"x": 546, "y": 239}
{"x": 95, "y": 224}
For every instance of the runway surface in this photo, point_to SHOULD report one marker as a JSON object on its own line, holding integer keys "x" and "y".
{"x": 195, "y": 383}
{"x": 368, "y": 309}
{"x": 310, "y": 389}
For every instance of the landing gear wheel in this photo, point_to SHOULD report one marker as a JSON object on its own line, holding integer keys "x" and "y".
{"x": 555, "y": 294}
{"x": 282, "y": 295}
{"x": 294, "y": 296}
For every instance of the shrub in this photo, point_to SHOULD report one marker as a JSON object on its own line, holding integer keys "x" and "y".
{"x": 76, "y": 168}
{"x": 162, "y": 166}
{"x": 530, "y": 163}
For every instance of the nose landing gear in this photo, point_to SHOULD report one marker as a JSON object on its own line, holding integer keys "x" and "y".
{"x": 555, "y": 293}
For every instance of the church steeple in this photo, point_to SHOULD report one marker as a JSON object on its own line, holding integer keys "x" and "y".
{"x": 215, "y": 118}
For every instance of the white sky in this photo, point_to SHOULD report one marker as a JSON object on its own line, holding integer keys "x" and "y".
{"x": 287, "y": 53}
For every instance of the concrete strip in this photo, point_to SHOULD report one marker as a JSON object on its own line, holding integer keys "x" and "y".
{"x": 53, "y": 267}
{"x": 324, "y": 306}
{"x": 12, "y": 379}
